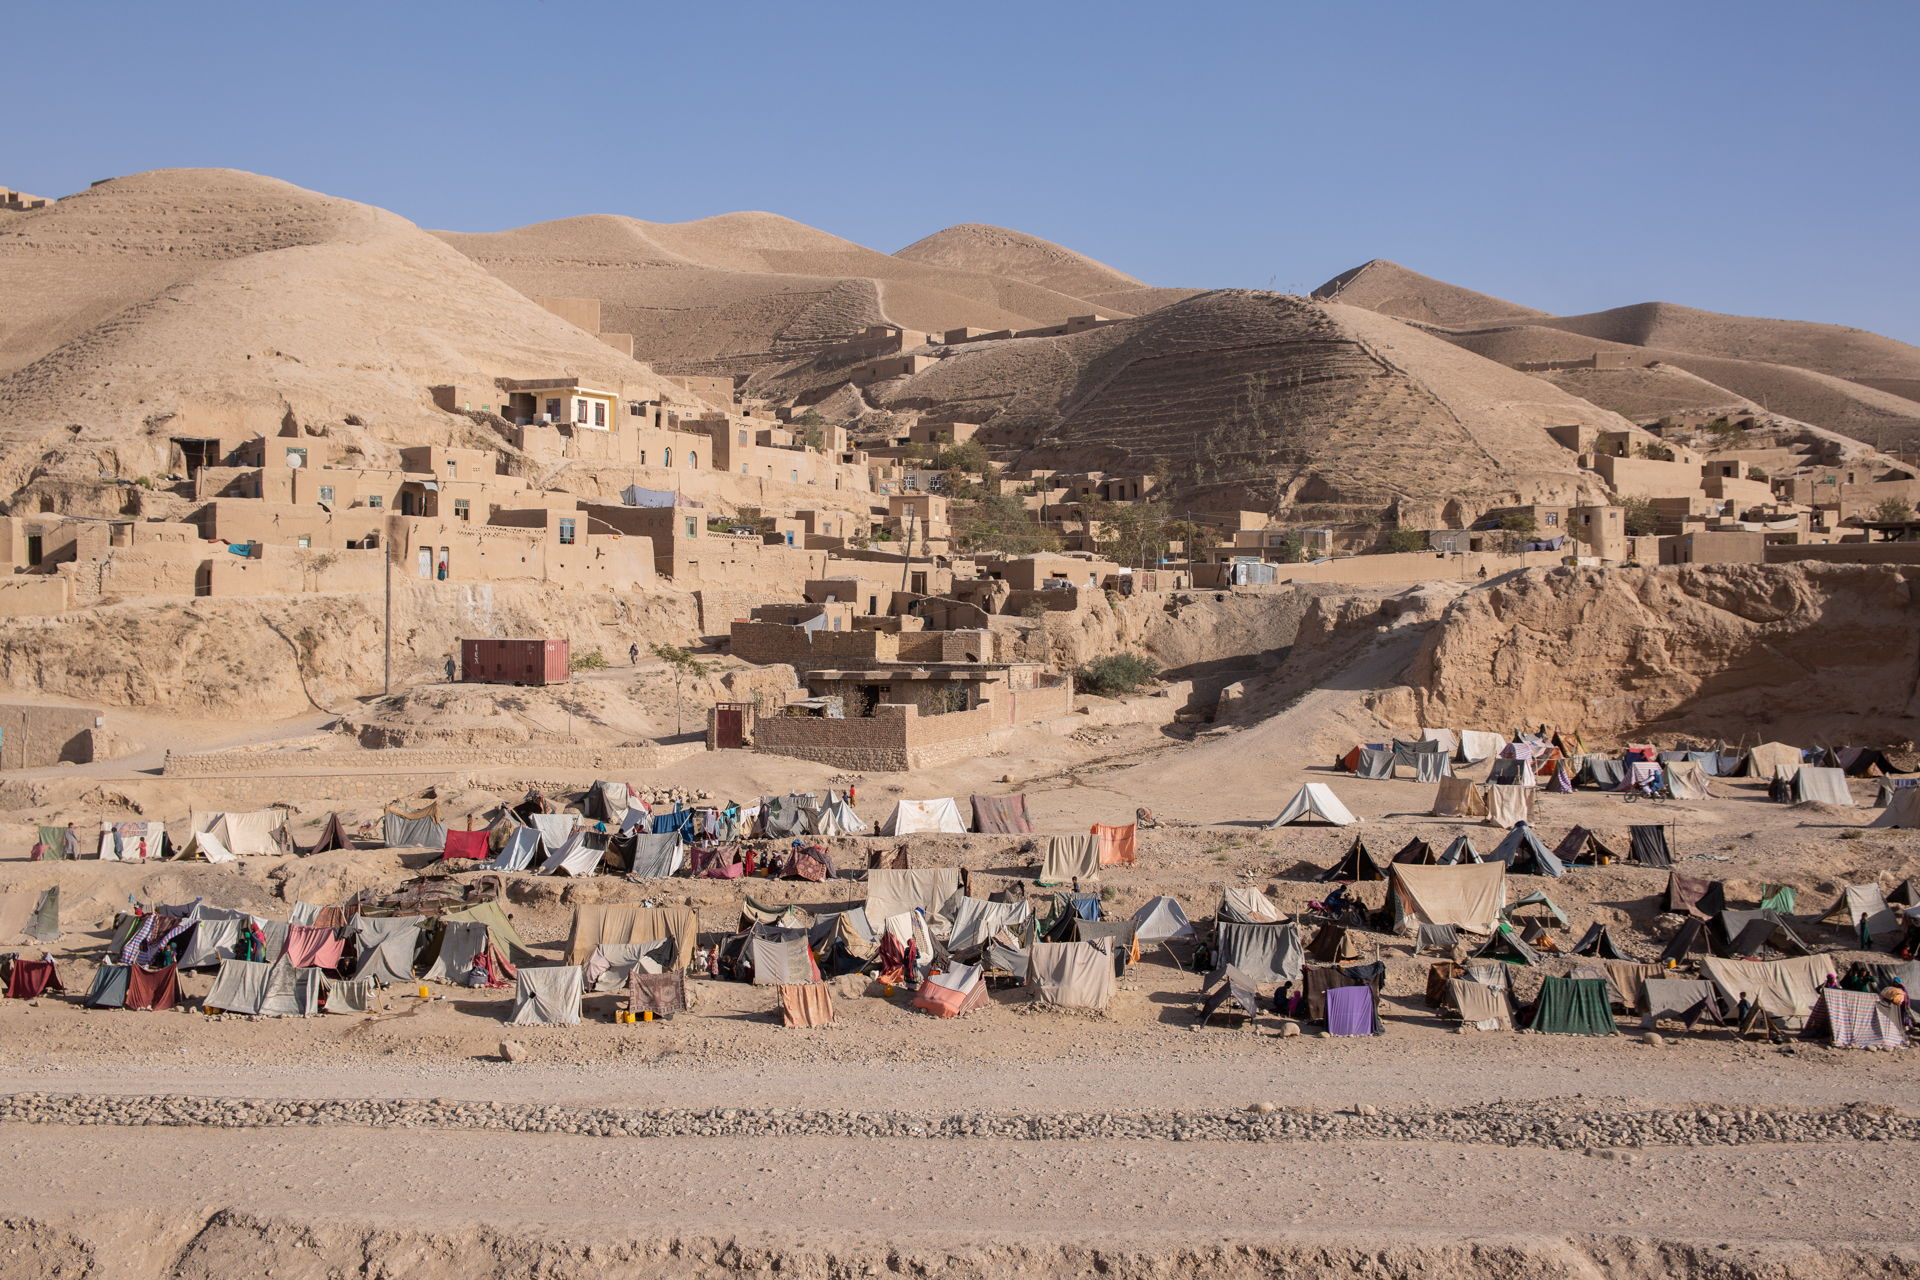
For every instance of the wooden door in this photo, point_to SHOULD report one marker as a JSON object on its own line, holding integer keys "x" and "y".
{"x": 729, "y": 729}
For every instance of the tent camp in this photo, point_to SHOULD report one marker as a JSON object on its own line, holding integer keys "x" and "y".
{"x": 1786, "y": 989}
{"x": 909, "y": 816}
{"x": 221, "y": 837}
{"x": 1368, "y": 760}
{"x": 1264, "y": 952}
{"x": 1573, "y": 1006}
{"x": 1748, "y": 933}
{"x": 1865, "y": 903}
{"x": 1598, "y": 942}
{"x": 550, "y": 995}
{"x": 1417, "y": 851}
{"x": 1247, "y": 906}
{"x": 1467, "y": 897}
{"x": 1475, "y": 745}
{"x": 132, "y": 841}
{"x": 1507, "y": 805}
{"x": 1068, "y": 858}
{"x": 1524, "y": 855}
{"x": 1072, "y": 975}
{"x": 1581, "y": 848}
{"x": 1691, "y": 896}
{"x": 1649, "y": 845}
{"x": 265, "y": 990}
{"x": 976, "y": 920}
{"x": 630, "y": 922}
{"x": 1461, "y": 851}
{"x": 1827, "y": 786}
{"x": 404, "y": 828}
{"x": 1314, "y": 800}
{"x": 1001, "y": 815}
{"x": 1459, "y": 798}
{"x": 1161, "y": 919}
{"x": 1357, "y": 865}
{"x": 890, "y": 893}
{"x": 1772, "y": 759}
{"x": 1686, "y": 780}
{"x": 1506, "y": 945}
{"x": 1902, "y": 811}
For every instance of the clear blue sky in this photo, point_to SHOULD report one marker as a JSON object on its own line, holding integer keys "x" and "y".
{"x": 1752, "y": 158}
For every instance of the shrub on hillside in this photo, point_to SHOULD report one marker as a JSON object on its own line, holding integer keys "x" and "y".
{"x": 1115, "y": 675}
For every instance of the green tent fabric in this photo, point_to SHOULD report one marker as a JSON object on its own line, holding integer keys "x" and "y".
{"x": 1779, "y": 898}
{"x": 1573, "y": 1007}
{"x": 109, "y": 987}
{"x": 499, "y": 928}
{"x": 44, "y": 925}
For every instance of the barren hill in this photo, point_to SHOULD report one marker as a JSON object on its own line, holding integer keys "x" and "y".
{"x": 179, "y": 293}
{"x": 748, "y": 289}
{"x": 997, "y": 251}
{"x": 1393, "y": 290}
{"x": 1263, "y": 398}
{"x": 1824, "y": 348}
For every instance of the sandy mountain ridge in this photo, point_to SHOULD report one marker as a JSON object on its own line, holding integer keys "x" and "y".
{"x": 185, "y": 292}
{"x": 1846, "y": 380}
{"x": 749, "y": 289}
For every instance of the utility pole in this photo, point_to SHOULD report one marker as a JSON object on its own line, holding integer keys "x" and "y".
{"x": 387, "y": 627}
{"x": 908, "y": 562}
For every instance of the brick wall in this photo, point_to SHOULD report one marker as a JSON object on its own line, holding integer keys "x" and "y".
{"x": 34, "y": 736}
{"x": 893, "y": 740}
{"x": 948, "y": 646}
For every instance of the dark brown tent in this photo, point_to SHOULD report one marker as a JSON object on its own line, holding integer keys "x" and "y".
{"x": 1690, "y": 896}
{"x": 1418, "y": 853}
{"x": 1582, "y": 848}
{"x": 1357, "y": 865}
{"x": 332, "y": 836}
{"x": 1331, "y": 943}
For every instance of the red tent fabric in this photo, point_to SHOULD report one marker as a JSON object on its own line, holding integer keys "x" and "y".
{"x": 30, "y": 978}
{"x": 466, "y": 844}
{"x": 153, "y": 988}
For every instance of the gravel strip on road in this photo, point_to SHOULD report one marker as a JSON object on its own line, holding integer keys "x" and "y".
{"x": 1564, "y": 1124}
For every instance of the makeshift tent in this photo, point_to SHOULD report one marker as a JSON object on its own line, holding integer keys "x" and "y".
{"x": 1431, "y": 766}
{"x": 612, "y": 963}
{"x": 1235, "y": 986}
{"x": 1369, "y": 761}
{"x": 409, "y": 828}
{"x": 1772, "y": 759}
{"x": 1523, "y": 854}
{"x": 1350, "y": 1012}
{"x": 1488, "y": 1008}
{"x": 153, "y": 988}
{"x": 1827, "y": 786}
{"x": 550, "y": 995}
{"x": 1689, "y": 895}
{"x": 1247, "y": 906}
{"x": 1573, "y": 1006}
{"x": 1125, "y": 949}
{"x": 506, "y": 939}
{"x": 1649, "y": 845}
{"x": 1857, "y": 1020}
{"x": 1902, "y": 811}
{"x": 1072, "y": 975}
{"x": 1332, "y": 944}
{"x": 1865, "y": 902}
{"x": 1862, "y": 762}
{"x": 1786, "y": 989}
{"x": 1682, "y": 999}
{"x": 909, "y": 816}
{"x": 32, "y": 916}
{"x": 1001, "y": 815}
{"x": 459, "y": 946}
{"x": 259, "y": 832}
{"x": 352, "y": 995}
{"x": 1449, "y": 740}
{"x": 1441, "y": 938}
{"x": 952, "y": 994}
{"x": 927, "y": 889}
{"x": 30, "y": 979}
{"x": 132, "y": 841}
{"x": 109, "y": 990}
{"x": 332, "y": 836}
{"x": 1459, "y": 798}
{"x": 518, "y": 851}
{"x": 1506, "y": 945}
{"x": 385, "y": 946}
{"x": 1461, "y": 851}
{"x": 1692, "y": 939}
{"x": 1686, "y": 780}
{"x": 1475, "y": 745}
{"x": 780, "y": 957}
{"x": 1357, "y": 865}
{"x": 1116, "y": 844}
{"x": 1603, "y": 772}
{"x": 1538, "y": 898}
{"x": 466, "y": 844}
{"x": 1264, "y": 952}
{"x": 630, "y": 922}
{"x": 1067, "y": 858}
{"x": 1468, "y": 897}
{"x": 836, "y": 817}
{"x": 1314, "y": 800}
{"x": 1507, "y": 805}
{"x": 1161, "y": 919}
{"x": 976, "y": 920}
{"x": 265, "y": 990}
{"x": 1323, "y": 980}
{"x": 313, "y": 946}
{"x": 1598, "y": 942}
{"x": 210, "y": 942}
{"x": 1747, "y": 933}
{"x": 1582, "y": 848}
{"x": 1418, "y": 852}
{"x": 578, "y": 855}
{"x": 655, "y": 857}
{"x": 662, "y": 994}
{"x": 1780, "y": 897}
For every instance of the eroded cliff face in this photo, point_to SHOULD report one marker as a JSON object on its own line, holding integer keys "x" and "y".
{"x": 1814, "y": 654}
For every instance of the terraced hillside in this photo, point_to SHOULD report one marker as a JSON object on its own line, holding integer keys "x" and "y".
{"x": 1266, "y": 399}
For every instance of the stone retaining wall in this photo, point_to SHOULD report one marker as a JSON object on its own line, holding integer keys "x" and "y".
{"x": 598, "y": 760}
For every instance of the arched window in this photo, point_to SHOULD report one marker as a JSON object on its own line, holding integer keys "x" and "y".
{"x": 693, "y": 459}
{"x": 668, "y": 454}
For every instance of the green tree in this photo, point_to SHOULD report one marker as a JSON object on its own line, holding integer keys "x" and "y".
{"x": 1115, "y": 675}
{"x": 1642, "y": 517}
{"x": 968, "y": 455}
{"x": 1519, "y": 522}
{"x": 682, "y": 664}
{"x": 812, "y": 418}
{"x": 1755, "y": 473}
{"x": 1001, "y": 522}
{"x": 1892, "y": 511}
{"x": 1401, "y": 541}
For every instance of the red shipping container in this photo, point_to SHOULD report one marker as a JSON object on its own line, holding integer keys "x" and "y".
{"x": 533, "y": 662}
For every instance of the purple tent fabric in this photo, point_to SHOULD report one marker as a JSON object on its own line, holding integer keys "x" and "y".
{"x": 1350, "y": 1011}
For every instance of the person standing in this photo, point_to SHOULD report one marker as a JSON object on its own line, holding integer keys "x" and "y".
{"x": 633, "y": 655}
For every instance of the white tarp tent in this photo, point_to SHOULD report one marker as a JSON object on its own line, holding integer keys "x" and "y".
{"x": 1160, "y": 919}
{"x": 1902, "y": 811}
{"x": 1828, "y": 786}
{"x": 1508, "y": 804}
{"x": 263, "y": 831}
{"x": 572, "y": 857}
{"x": 1459, "y": 798}
{"x": 1771, "y": 758}
{"x": 1468, "y": 896}
{"x": 1315, "y": 799}
{"x": 837, "y": 818}
{"x": 891, "y": 892}
{"x": 909, "y": 816}
{"x": 1475, "y": 745}
{"x": 1686, "y": 780}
